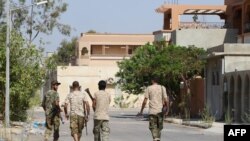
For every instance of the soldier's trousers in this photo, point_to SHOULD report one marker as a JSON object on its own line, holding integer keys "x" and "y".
{"x": 156, "y": 125}
{"x": 76, "y": 124}
{"x": 101, "y": 130}
{"x": 52, "y": 124}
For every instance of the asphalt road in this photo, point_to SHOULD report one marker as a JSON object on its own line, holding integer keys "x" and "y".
{"x": 126, "y": 127}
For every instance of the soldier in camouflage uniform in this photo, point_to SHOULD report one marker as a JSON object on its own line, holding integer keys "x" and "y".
{"x": 52, "y": 110}
{"x": 78, "y": 101}
{"x": 157, "y": 98}
{"x": 100, "y": 105}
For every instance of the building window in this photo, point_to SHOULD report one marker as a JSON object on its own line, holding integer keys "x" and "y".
{"x": 217, "y": 78}
{"x": 96, "y": 49}
{"x": 84, "y": 51}
{"x": 132, "y": 48}
{"x": 213, "y": 78}
{"x": 130, "y": 51}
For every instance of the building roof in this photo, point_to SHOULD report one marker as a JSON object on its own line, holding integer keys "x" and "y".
{"x": 203, "y": 11}
{"x": 116, "y": 38}
{"x": 192, "y": 9}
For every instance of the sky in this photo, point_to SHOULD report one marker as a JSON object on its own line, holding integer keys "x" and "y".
{"x": 116, "y": 16}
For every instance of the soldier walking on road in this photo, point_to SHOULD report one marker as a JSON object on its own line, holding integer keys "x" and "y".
{"x": 78, "y": 116}
{"x": 157, "y": 98}
{"x": 100, "y": 105}
{"x": 52, "y": 110}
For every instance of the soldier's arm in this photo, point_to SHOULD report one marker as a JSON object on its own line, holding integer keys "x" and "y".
{"x": 87, "y": 107}
{"x": 56, "y": 98}
{"x": 166, "y": 101}
{"x": 66, "y": 111}
{"x": 43, "y": 103}
{"x": 144, "y": 101}
{"x": 66, "y": 101}
{"x": 94, "y": 104}
{"x": 86, "y": 104}
{"x": 57, "y": 103}
{"x": 143, "y": 105}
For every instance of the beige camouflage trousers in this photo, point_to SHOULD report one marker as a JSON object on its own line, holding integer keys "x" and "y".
{"x": 101, "y": 130}
{"x": 156, "y": 125}
{"x": 76, "y": 124}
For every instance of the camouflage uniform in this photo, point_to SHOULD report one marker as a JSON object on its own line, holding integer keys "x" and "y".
{"x": 101, "y": 117}
{"x": 76, "y": 100}
{"x": 52, "y": 118}
{"x": 156, "y": 94}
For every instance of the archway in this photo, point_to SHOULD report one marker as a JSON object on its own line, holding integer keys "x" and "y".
{"x": 246, "y": 95}
{"x": 238, "y": 99}
{"x": 231, "y": 98}
{"x": 225, "y": 98}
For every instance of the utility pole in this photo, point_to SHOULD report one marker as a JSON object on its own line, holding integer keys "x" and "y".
{"x": 7, "y": 84}
{"x": 8, "y": 33}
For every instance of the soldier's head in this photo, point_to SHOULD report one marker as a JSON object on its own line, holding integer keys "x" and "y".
{"x": 76, "y": 86}
{"x": 155, "y": 79}
{"x": 102, "y": 85}
{"x": 55, "y": 84}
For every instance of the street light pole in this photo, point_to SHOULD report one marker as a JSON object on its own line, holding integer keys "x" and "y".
{"x": 8, "y": 32}
{"x": 7, "y": 83}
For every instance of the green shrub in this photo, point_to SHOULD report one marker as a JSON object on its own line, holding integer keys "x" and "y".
{"x": 35, "y": 100}
{"x": 207, "y": 116}
{"x": 228, "y": 118}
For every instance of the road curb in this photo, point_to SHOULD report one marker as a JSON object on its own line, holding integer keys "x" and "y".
{"x": 199, "y": 124}
{"x": 173, "y": 120}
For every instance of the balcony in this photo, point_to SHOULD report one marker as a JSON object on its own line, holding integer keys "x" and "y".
{"x": 201, "y": 25}
{"x": 109, "y": 56}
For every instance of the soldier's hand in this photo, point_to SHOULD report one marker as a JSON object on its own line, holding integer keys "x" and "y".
{"x": 87, "y": 118}
{"x": 165, "y": 115}
{"x": 139, "y": 114}
{"x": 67, "y": 116}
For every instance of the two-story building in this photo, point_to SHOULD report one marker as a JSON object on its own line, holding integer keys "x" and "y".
{"x": 96, "y": 59}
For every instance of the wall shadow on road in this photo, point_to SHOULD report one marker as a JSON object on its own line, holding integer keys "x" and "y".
{"x": 131, "y": 116}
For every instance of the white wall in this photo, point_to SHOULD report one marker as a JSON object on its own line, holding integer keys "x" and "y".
{"x": 204, "y": 38}
{"x": 87, "y": 76}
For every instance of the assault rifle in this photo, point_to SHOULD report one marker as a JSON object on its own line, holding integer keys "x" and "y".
{"x": 91, "y": 97}
{"x": 85, "y": 109}
{"x": 57, "y": 111}
{"x": 85, "y": 118}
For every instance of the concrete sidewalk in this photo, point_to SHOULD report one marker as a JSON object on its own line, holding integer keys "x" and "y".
{"x": 19, "y": 131}
{"x": 215, "y": 127}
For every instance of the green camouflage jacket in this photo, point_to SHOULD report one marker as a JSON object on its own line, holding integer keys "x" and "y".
{"x": 49, "y": 102}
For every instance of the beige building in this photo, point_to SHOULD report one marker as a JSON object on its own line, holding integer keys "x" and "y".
{"x": 227, "y": 72}
{"x": 96, "y": 59}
